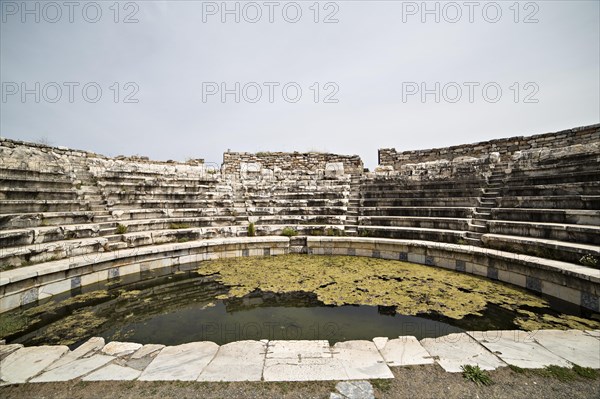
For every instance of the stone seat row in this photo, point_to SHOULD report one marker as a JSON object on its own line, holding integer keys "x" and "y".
{"x": 545, "y": 215}
{"x": 45, "y": 234}
{"x": 96, "y": 247}
{"x": 9, "y": 172}
{"x": 31, "y": 206}
{"x": 36, "y": 183}
{"x": 418, "y": 211}
{"x": 422, "y": 202}
{"x": 591, "y": 202}
{"x": 413, "y": 233}
{"x": 395, "y": 192}
{"x": 30, "y": 193}
{"x": 585, "y": 234}
{"x": 61, "y": 232}
{"x": 541, "y": 247}
{"x": 579, "y": 188}
{"x": 444, "y": 223}
{"x": 386, "y": 184}
{"x": 575, "y": 177}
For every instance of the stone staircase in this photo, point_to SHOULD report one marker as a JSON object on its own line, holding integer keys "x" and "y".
{"x": 487, "y": 201}
{"x": 351, "y": 227}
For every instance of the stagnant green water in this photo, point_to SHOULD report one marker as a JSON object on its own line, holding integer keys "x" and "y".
{"x": 288, "y": 297}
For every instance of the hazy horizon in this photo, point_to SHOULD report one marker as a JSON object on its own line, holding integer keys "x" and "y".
{"x": 191, "y": 79}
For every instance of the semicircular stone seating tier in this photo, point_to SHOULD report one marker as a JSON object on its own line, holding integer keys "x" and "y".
{"x": 525, "y": 210}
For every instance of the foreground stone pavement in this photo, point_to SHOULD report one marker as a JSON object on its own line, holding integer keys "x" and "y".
{"x": 296, "y": 360}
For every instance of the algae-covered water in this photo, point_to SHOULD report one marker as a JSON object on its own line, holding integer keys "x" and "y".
{"x": 335, "y": 298}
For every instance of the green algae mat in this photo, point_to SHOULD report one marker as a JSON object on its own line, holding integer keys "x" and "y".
{"x": 288, "y": 297}
{"x": 412, "y": 289}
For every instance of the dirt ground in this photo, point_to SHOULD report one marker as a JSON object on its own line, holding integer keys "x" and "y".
{"x": 411, "y": 382}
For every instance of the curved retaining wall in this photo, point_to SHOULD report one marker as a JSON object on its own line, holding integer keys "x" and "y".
{"x": 575, "y": 284}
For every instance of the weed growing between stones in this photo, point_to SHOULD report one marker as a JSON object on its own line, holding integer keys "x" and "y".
{"x": 590, "y": 261}
{"x": 384, "y": 385}
{"x": 251, "y": 230}
{"x": 586, "y": 372}
{"x": 289, "y": 232}
{"x": 121, "y": 229}
{"x": 475, "y": 374}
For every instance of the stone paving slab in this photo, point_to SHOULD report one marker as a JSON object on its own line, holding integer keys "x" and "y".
{"x": 74, "y": 369}
{"x": 91, "y": 346}
{"x": 454, "y": 350}
{"x": 296, "y": 360}
{"x": 305, "y": 349}
{"x": 301, "y": 361}
{"x": 361, "y": 360}
{"x": 147, "y": 350}
{"x": 518, "y": 348}
{"x": 403, "y": 351}
{"x": 313, "y": 361}
{"x": 25, "y": 363}
{"x": 593, "y": 333}
{"x": 183, "y": 362}
{"x": 119, "y": 349}
{"x": 573, "y": 345}
{"x": 237, "y": 361}
{"x": 6, "y": 350}
{"x": 307, "y": 369}
{"x": 113, "y": 372}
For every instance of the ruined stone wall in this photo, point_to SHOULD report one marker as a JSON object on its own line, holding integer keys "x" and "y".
{"x": 242, "y": 162}
{"x": 34, "y": 156}
{"x": 505, "y": 147}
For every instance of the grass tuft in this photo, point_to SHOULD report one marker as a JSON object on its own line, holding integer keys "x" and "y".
{"x": 121, "y": 229}
{"x": 289, "y": 232}
{"x": 516, "y": 369}
{"x": 384, "y": 385}
{"x": 586, "y": 372}
{"x": 475, "y": 374}
{"x": 251, "y": 230}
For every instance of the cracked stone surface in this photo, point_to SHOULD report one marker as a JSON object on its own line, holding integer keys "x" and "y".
{"x": 6, "y": 350}
{"x": 454, "y": 350}
{"x": 265, "y": 360}
{"x": 236, "y": 361}
{"x": 404, "y": 351}
{"x": 74, "y": 369}
{"x": 113, "y": 372}
{"x": 575, "y": 346}
{"x": 25, "y": 363}
{"x": 182, "y": 362}
{"x": 89, "y": 347}
{"x": 120, "y": 349}
{"x": 518, "y": 348}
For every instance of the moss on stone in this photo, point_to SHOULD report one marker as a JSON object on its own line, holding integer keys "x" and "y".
{"x": 71, "y": 329}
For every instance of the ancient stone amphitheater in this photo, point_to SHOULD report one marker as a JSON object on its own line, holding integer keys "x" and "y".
{"x": 523, "y": 210}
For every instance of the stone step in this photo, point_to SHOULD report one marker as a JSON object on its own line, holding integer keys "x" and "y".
{"x": 474, "y": 234}
{"x": 479, "y": 222}
{"x": 102, "y": 218}
{"x": 482, "y": 215}
{"x": 473, "y": 228}
{"x": 473, "y": 241}
{"x": 107, "y": 231}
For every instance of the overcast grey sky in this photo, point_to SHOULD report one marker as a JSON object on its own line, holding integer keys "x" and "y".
{"x": 361, "y": 66}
